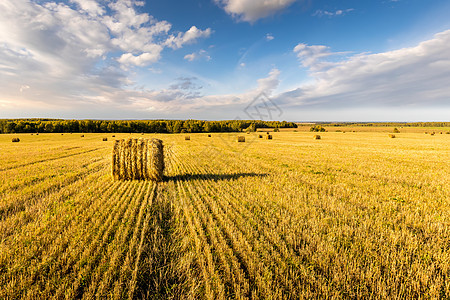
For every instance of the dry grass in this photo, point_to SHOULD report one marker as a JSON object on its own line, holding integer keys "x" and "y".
{"x": 352, "y": 217}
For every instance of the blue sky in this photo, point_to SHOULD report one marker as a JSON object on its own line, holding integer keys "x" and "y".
{"x": 315, "y": 60}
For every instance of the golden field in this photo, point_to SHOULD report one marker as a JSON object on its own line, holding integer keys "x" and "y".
{"x": 352, "y": 215}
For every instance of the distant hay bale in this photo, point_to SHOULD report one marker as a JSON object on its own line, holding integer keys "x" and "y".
{"x": 105, "y": 139}
{"x": 209, "y": 135}
{"x": 317, "y": 137}
{"x": 267, "y": 132}
{"x": 241, "y": 139}
{"x": 432, "y": 133}
{"x": 138, "y": 159}
{"x": 268, "y": 137}
{"x": 62, "y": 133}
{"x": 187, "y": 138}
{"x": 426, "y": 132}
{"x": 15, "y": 140}
{"x": 37, "y": 133}
{"x": 260, "y": 136}
{"x": 448, "y": 132}
{"x": 113, "y": 136}
{"x": 392, "y": 135}
{"x": 82, "y": 135}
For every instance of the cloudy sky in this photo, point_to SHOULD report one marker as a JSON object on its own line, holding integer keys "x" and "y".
{"x": 350, "y": 60}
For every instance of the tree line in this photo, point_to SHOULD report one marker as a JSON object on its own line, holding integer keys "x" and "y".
{"x": 390, "y": 124}
{"x": 134, "y": 126}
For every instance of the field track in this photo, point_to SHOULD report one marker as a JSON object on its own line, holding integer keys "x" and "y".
{"x": 354, "y": 215}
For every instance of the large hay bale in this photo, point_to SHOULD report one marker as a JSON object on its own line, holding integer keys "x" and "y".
{"x": 317, "y": 137}
{"x": 138, "y": 159}
{"x": 15, "y": 140}
{"x": 241, "y": 139}
{"x": 268, "y": 137}
{"x": 392, "y": 135}
{"x": 187, "y": 138}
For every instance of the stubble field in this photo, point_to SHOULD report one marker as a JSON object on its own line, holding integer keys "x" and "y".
{"x": 352, "y": 215}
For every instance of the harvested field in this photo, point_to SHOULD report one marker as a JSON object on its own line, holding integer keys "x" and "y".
{"x": 355, "y": 215}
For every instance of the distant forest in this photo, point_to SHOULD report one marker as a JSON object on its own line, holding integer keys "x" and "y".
{"x": 134, "y": 126}
{"x": 388, "y": 124}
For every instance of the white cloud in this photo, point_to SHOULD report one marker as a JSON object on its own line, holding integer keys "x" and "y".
{"x": 90, "y": 6}
{"x": 269, "y": 37}
{"x": 339, "y": 12}
{"x": 140, "y": 60}
{"x": 251, "y": 10}
{"x": 71, "y": 53}
{"x": 201, "y": 54}
{"x": 408, "y": 77}
{"x": 313, "y": 56}
{"x": 188, "y": 37}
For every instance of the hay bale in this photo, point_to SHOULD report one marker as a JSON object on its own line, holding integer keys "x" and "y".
{"x": 105, "y": 139}
{"x": 113, "y": 136}
{"x": 15, "y": 140}
{"x": 187, "y": 138}
{"x": 392, "y": 135}
{"x": 138, "y": 159}
{"x": 267, "y": 132}
{"x": 432, "y": 133}
{"x": 268, "y": 137}
{"x": 448, "y": 132}
{"x": 82, "y": 135}
{"x": 209, "y": 135}
{"x": 241, "y": 139}
{"x": 316, "y": 137}
{"x": 260, "y": 136}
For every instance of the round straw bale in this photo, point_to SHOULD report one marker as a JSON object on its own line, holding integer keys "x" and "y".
{"x": 15, "y": 140}
{"x": 392, "y": 135}
{"x": 209, "y": 135}
{"x": 105, "y": 139}
{"x": 317, "y": 137}
{"x": 268, "y": 137}
{"x": 115, "y": 160}
{"x": 138, "y": 159}
{"x": 82, "y": 135}
{"x": 260, "y": 136}
{"x": 187, "y": 138}
{"x": 155, "y": 160}
{"x": 241, "y": 139}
